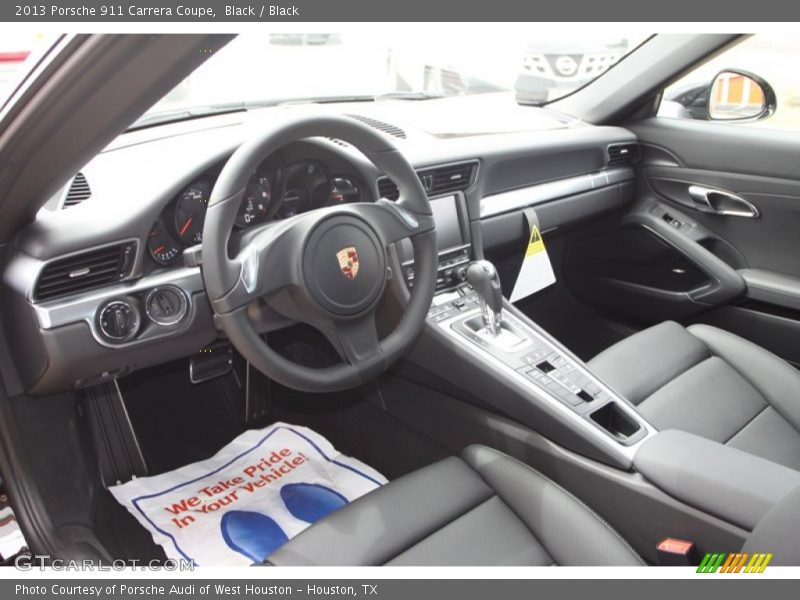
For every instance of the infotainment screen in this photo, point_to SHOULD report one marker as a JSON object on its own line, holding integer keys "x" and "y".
{"x": 448, "y": 224}
{"x": 448, "y": 228}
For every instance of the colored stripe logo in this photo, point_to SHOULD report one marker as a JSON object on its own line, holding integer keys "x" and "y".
{"x": 736, "y": 562}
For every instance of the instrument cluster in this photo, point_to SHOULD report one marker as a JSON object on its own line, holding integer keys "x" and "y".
{"x": 275, "y": 191}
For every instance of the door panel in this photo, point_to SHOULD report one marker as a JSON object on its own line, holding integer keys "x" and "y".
{"x": 754, "y": 261}
{"x": 657, "y": 264}
{"x": 727, "y": 148}
{"x": 777, "y": 201}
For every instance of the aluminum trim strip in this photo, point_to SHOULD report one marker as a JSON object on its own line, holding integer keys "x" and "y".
{"x": 83, "y": 307}
{"x": 521, "y": 198}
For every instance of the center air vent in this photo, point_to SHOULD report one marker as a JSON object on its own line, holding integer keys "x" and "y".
{"x": 436, "y": 181}
{"x": 79, "y": 191}
{"x": 392, "y": 130}
{"x": 623, "y": 154}
{"x": 85, "y": 271}
{"x": 448, "y": 179}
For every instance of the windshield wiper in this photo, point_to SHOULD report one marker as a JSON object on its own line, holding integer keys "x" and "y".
{"x": 198, "y": 112}
{"x": 410, "y": 96}
{"x": 319, "y": 100}
{"x": 185, "y": 114}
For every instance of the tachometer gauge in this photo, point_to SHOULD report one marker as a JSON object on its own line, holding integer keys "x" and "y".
{"x": 343, "y": 191}
{"x": 190, "y": 212}
{"x": 163, "y": 248}
{"x": 256, "y": 203}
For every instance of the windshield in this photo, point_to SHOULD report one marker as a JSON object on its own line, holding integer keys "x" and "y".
{"x": 395, "y": 62}
{"x": 19, "y": 52}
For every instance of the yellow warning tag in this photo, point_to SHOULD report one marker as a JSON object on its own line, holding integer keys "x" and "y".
{"x": 536, "y": 243}
{"x": 536, "y": 272}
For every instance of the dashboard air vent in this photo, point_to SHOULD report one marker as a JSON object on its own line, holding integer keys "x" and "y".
{"x": 392, "y": 130}
{"x": 79, "y": 191}
{"x": 439, "y": 180}
{"x": 622, "y": 154}
{"x": 448, "y": 179}
{"x": 85, "y": 271}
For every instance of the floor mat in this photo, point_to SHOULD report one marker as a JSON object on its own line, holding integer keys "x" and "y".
{"x": 359, "y": 428}
{"x": 178, "y": 422}
{"x": 240, "y": 505}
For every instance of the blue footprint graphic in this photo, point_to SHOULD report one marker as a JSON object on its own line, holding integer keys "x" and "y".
{"x": 310, "y": 502}
{"x": 252, "y": 534}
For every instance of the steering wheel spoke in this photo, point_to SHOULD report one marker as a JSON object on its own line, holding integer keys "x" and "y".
{"x": 393, "y": 222}
{"x": 266, "y": 265}
{"x": 356, "y": 340}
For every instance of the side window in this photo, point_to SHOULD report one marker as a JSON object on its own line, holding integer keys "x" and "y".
{"x": 754, "y": 84}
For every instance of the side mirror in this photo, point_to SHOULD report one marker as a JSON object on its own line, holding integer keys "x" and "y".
{"x": 740, "y": 96}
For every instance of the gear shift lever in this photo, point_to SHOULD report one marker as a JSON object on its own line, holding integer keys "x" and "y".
{"x": 484, "y": 278}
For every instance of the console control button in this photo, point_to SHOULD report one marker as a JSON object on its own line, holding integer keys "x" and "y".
{"x": 533, "y": 358}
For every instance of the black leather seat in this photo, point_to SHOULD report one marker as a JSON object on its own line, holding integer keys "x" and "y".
{"x": 486, "y": 508}
{"x": 712, "y": 383}
{"x": 483, "y": 508}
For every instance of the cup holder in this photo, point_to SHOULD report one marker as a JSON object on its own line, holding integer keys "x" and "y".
{"x": 616, "y": 422}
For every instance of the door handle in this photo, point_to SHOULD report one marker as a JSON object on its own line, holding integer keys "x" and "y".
{"x": 720, "y": 202}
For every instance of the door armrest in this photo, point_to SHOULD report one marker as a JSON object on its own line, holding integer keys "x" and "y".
{"x": 771, "y": 287}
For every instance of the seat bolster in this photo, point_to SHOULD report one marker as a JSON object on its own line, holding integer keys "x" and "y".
{"x": 778, "y": 533}
{"x": 568, "y": 530}
{"x": 774, "y": 378}
{"x": 386, "y": 522}
{"x": 642, "y": 363}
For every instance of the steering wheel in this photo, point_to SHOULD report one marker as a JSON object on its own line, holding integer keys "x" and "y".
{"x": 327, "y": 268}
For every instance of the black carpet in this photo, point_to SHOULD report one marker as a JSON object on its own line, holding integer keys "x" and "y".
{"x": 576, "y": 326}
{"x": 360, "y": 429}
{"x": 177, "y": 422}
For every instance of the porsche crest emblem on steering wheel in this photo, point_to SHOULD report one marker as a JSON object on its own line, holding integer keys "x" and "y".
{"x": 348, "y": 262}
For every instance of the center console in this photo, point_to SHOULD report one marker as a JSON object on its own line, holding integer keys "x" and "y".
{"x": 552, "y": 374}
{"x": 473, "y": 320}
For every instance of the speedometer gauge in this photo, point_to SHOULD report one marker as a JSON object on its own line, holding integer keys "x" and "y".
{"x": 163, "y": 248}
{"x": 190, "y": 212}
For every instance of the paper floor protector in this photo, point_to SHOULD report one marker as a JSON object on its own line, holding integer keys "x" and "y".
{"x": 238, "y": 506}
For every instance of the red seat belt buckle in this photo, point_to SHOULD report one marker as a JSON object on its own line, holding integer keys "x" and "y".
{"x": 673, "y": 552}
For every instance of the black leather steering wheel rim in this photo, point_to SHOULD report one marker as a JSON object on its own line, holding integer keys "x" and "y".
{"x": 228, "y": 279}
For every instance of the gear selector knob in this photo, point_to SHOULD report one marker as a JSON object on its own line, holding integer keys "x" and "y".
{"x": 483, "y": 276}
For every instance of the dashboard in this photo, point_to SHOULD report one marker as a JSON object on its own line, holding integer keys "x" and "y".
{"x": 109, "y": 283}
{"x": 276, "y": 191}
